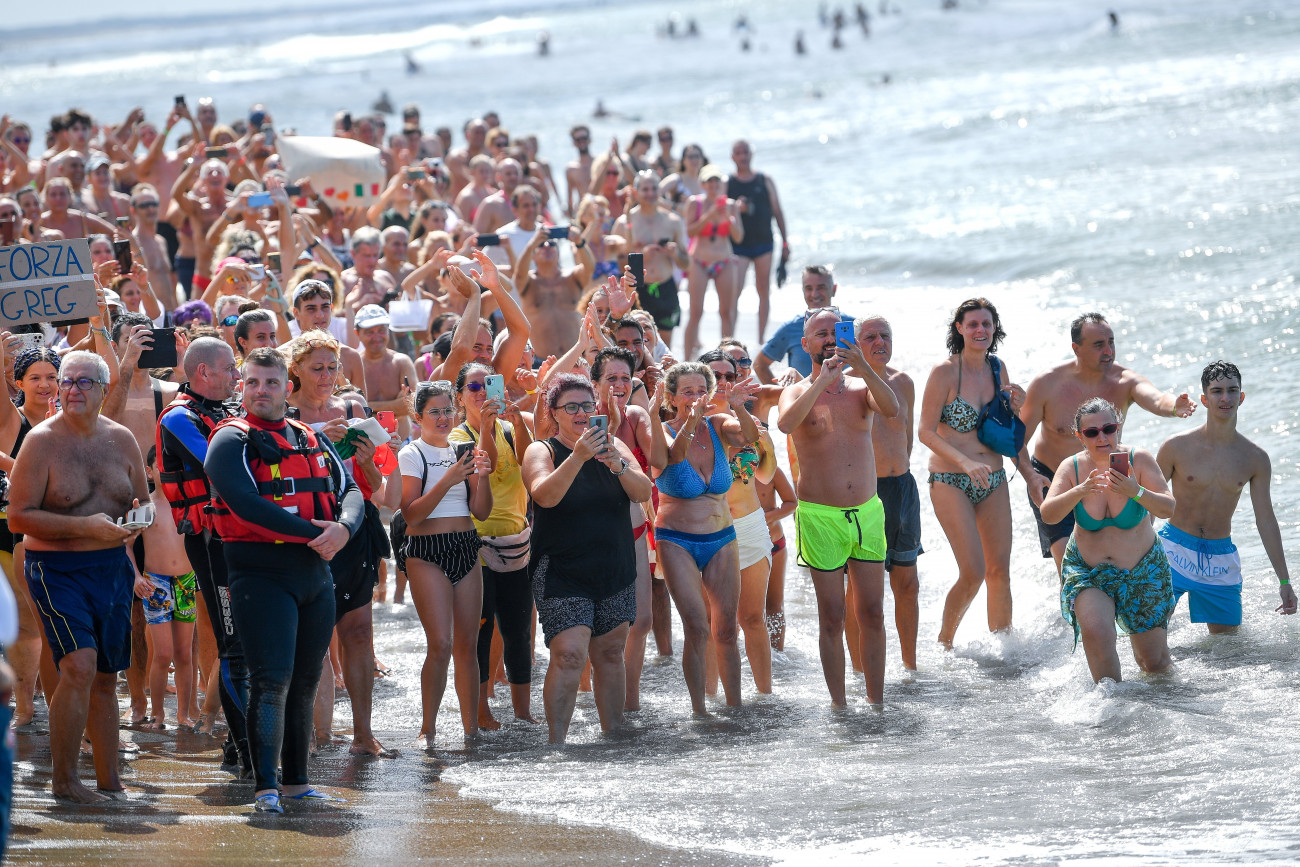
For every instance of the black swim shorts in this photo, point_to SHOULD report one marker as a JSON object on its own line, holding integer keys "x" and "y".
{"x": 1049, "y": 533}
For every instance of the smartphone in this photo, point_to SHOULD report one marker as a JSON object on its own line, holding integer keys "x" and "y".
{"x": 180, "y": 99}
{"x": 137, "y": 519}
{"x": 664, "y": 242}
{"x": 260, "y": 200}
{"x": 122, "y": 253}
{"x": 415, "y": 174}
{"x": 163, "y": 351}
{"x": 123, "y": 222}
{"x": 273, "y": 262}
{"x": 388, "y": 420}
{"x": 600, "y": 423}
{"x": 495, "y": 386}
{"x": 217, "y": 153}
{"x": 8, "y": 232}
{"x": 268, "y": 133}
{"x": 465, "y": 452}
{"x": 487, "y": 240}
{"x": 30, "y": 341}
{"x": 558, "y": 233}
{"x": 293, "y": 189}
{"x": 721, "y": 202}
{"x": 1120, "y": 463}
{"x": 346, "y": 121}
{"x": 257, "y": 272}
{"x": 844, "y": 335}
{"x": 636, "y": 261}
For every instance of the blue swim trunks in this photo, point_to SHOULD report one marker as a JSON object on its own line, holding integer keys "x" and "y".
{"x": 1208, "y": 571}
{"x": 84, "y": 600}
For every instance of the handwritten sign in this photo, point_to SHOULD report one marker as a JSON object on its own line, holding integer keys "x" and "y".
{"x": 343, "y": 171}
{"x": 45, "y": 282}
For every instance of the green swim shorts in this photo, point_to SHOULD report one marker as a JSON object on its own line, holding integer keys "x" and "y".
{"x": 829, "y": 536}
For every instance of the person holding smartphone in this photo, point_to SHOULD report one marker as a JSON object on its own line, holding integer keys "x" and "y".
{"x": 660, "y": 236}
{"x": 1115, "y": 571}
{"x": 713, "y": 224}
{"x": 548, "y": 294}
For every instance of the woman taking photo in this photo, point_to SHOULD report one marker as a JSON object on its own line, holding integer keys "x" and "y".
{"x": 685, "y": 182}
{"x": 967, "y": 481}
{"x": 507, "y": 594}
{"x": 1114, "y": 570}
{"x": 583, "y": 562}
{"x": 442, "y": 487}
{"x": 694, "y": 537}
{"x": 713, "y": 223}
{"x": 613, "y": 373}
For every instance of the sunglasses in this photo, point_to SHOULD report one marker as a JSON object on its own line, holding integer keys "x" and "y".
{"x": 1107, "y": 429}
{"x": 20, "y": 141}
{"x": 612, "y": 173}
{"x": 743, "y": 362}
{"x": 587, "y": 406}
{"x": 475, "y": 387}
{"x": 230, "y": 320}
{"x": 146, "y": 204}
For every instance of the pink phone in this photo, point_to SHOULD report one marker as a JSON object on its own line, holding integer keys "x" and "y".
{"x": 1119, "y": 461}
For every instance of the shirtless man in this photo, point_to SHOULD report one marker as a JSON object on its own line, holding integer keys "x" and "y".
{"x": 99, "y": 197}
{"x": 660, "y": 235}
{"x": 478, "y": 188}
{"x": 459, "y": 160}
{"x": 61, "y": 216}
{"x": 194, "y": 210}
{"x": 77, "y": 474}
{"x": 550, "y": 296}
{"x": 1053, "y": 397}
{"x": 395, "y": 240}
{"x": 891, "y": 441}
{"x": 145, "y": 207}
{"x": 840, "y": 521}
{"x": 364, "y": 283}
{"x": 206, "y": 115}
{"x": 313, "y": 310}
{"x": 159, "y": 167}
{"x": 390, "y": 375}
{"x": 495, "y": 211}
{"x": 1208, "y": 468}
{"x": 577, "y": 174}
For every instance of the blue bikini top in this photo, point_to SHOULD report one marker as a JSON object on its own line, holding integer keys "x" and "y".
{"x": 683, "y": 481}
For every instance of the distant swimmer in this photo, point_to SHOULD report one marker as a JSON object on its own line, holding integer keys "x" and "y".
{"x": 383, "y": 105}
{"x": 799, "y": 47}
{"x": 412, "y": 68}
{"x": 1114, "y": 20}
{"x": 600, "y": 110}
{"x": 1209, "y": 467}
{"x": 543, "y": 44}
{"x": 1053, "y": 396}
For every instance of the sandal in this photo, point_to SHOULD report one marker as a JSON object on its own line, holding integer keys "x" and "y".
{"x": 317, "y": 795}
{"x": 268, "y": 803}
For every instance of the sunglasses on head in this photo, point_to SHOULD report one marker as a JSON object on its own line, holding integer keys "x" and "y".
{"x": 1107, "y": 429}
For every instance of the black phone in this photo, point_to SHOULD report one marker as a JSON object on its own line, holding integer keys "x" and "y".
{"x": 180, "y": 99}
{"x": 123, "y": 222}
{"x": 664, "y": 242}
{"x": 463, "y": 449}
{"x": 163, "y": 351}
{"x": 217, "y": 153}
{"x": 346, "y": 121}
{"x": 487, "y": 240}
{"x": 122, "y": 253}
{"x": 293, "y": 189}
{"x": 636, "y": 261}
{"x": 558, "y": 233}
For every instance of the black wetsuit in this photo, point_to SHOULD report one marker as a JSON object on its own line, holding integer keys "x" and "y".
{"x": 184, "y": 440}
{"x": 282, "y": 599}
{"x": 756, "y": 221}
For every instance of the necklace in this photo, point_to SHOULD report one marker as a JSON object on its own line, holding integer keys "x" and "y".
{"x": 840, "y": 390}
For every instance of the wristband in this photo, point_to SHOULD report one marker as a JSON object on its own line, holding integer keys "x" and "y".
{"x": 313, "y": 245}
{"x": 533, "y": 391}
{"x": 167, "y": 131}
{"x": 1284, "y": 581}
{"x": 1141, "y": 492}
{"x": 581, "y": 242}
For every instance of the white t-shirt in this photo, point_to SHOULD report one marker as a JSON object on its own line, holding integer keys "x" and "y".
{"x": 338, "y": 328}
{"x": 418, "y": 458}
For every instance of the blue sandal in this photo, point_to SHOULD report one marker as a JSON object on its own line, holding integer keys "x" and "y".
{"x": 268, "y": 803}
{"x": 317, "y": 795}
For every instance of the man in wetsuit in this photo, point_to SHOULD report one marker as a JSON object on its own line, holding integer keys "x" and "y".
{"x": 759, "y": 206}
{"x": 285, "y": 505}
{"x": 183, "y": 430}
{"x": 1053, "y": 397}
{"x": 77, "y": 474}
{"x": 1208, "y": 468}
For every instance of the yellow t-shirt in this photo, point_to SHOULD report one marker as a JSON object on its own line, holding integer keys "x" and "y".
{"x": 509, "y": 496}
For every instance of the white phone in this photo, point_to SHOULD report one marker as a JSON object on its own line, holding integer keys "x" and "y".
{"x": 137, "y": 519}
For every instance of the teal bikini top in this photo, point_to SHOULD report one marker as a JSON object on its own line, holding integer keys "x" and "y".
{"x": 1130, "y": 516}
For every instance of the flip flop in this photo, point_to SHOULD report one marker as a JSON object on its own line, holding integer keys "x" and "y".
{"x": 317, "y": 795}
{"x": 268, "y": 803}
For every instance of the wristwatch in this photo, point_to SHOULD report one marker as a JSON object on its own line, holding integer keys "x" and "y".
{"x": 623, "y": 469}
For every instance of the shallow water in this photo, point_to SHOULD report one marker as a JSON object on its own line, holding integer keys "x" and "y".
{"x": 1020, "y": 151}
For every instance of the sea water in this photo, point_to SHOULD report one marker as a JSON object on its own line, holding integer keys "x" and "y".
{"x": 1020, "y": 150}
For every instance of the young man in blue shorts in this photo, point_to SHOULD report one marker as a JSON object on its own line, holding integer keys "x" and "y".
{"x": 1208, "y": 469}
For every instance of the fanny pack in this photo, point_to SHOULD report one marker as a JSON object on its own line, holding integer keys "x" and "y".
{"x": 507, "y": 553}
{"x": 999, "y": 427}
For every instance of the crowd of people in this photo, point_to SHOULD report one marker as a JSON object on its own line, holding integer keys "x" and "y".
{"x": 530, "y": 448}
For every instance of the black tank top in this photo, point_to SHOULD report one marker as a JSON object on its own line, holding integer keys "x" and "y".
{"x": 586, "y": 537}
{"x": 757, "y": 221}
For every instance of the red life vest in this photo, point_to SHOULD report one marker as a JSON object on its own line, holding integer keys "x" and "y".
{"x": 186, "y": 488}
{"x": 297, "y": 476}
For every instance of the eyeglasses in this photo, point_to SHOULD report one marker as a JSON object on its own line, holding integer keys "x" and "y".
{"x": 230, "y": 320}
{"x": 587, "y": 406}
{"x": 83, "y": 383}
{"x": 1107, "y": 429}
{"x": 445, "y": 412}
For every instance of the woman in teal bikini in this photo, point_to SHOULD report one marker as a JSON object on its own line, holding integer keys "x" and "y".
{"x": 967, "y": 481}
{"x": 694, "y": 537}
{"x": 1114, "y": 570}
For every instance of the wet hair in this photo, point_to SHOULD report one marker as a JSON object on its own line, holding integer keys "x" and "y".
{"x": 469, "y": 367}
{"x": 1076, "y": 327}
{"x": 426, "y": 391}
{"x": 612, "y": 353}
{"x": 244, "y": 323}
{"x": 690, "y": 368}
{"x": 129, "y": 320}
{"x": 566, "y": 382}
{"x": 267, "y": 356}
{"x": 1092, "y": 405}
{"x": 1219, "y": 370}
{"x": 75, "y": 116}
{"x": 956, "y": 342}
{"x": 25, "y": 359}
{"x": 626, "y": 322}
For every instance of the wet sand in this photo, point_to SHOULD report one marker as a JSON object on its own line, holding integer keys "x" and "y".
{"x": 184, "y": 808}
